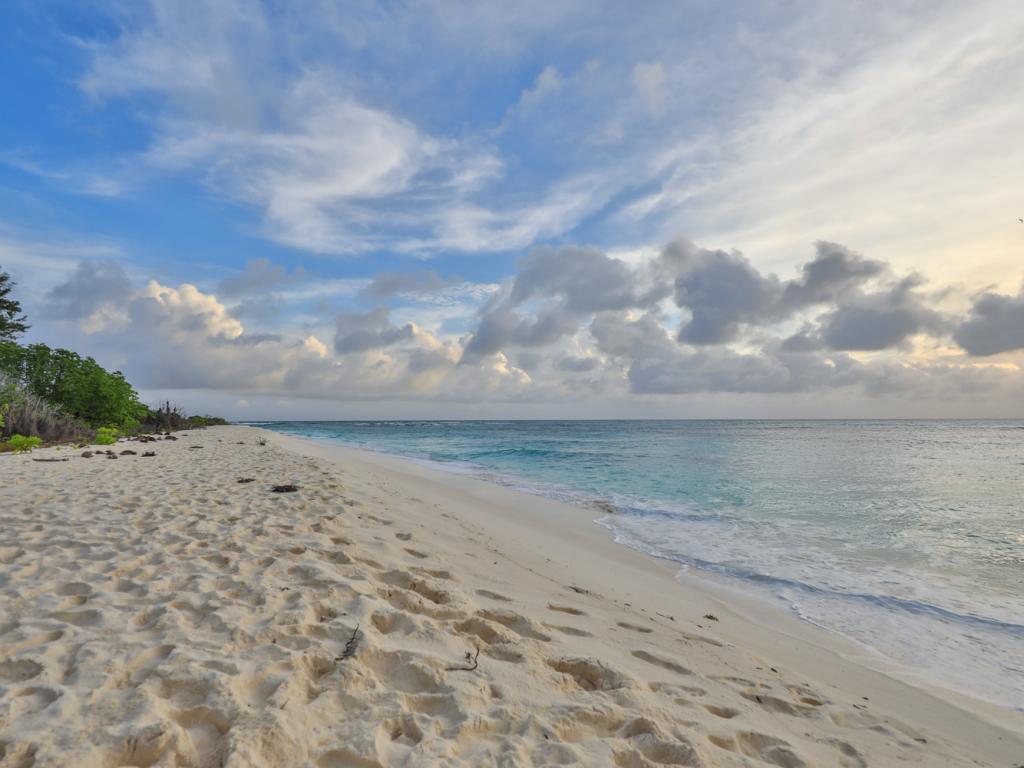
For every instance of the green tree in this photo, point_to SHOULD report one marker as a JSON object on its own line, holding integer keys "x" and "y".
{"x": 12, "y": 322}
{"x": 79, "y": 385}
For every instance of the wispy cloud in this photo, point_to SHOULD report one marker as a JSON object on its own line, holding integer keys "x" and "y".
{"x": 910, "y": 148}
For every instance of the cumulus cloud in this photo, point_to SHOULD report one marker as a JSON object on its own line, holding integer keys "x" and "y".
{"x": 360, "y": 331}
{"x": 93, "y": 285}
{"x": 720, "y": 292}
{"x": 571, "y": 282}
{"x": 880, "y": 320}
{"x": 834, "y": 270}
{"x": 995, "y": 324}
{"x": 724, "y": 291}
{"x": 181, "y": 313}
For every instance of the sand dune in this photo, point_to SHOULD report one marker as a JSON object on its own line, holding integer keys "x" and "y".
{"x": 157, "y": 612}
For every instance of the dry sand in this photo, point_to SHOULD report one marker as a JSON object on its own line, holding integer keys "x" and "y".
{"x": 156, "y": 612}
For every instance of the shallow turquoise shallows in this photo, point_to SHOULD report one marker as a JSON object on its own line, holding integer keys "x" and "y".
{"x": 907, "y": 536}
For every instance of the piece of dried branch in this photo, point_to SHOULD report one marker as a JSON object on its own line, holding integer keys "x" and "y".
{"x": 350, "y": 647}
{"x": 472, "y": 662}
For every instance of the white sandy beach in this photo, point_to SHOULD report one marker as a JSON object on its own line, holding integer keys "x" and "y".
{"x": 157, "y": 612}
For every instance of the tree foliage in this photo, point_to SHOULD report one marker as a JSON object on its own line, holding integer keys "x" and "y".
{"x": 78, "y": 385}
{"x": 12, "y": 321}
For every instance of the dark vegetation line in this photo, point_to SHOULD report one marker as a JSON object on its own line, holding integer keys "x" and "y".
{"x": 52, "y": 396}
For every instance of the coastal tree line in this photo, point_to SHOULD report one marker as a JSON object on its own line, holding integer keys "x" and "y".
{"x": 56, "y": 395}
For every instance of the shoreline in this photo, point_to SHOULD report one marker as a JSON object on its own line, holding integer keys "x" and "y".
{"x": 771, "y": 610}
{"x": 161, "y": 612}
{"x": 751, "y": 614}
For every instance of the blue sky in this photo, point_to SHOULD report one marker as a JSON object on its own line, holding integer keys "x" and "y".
{"x": 473, "y": 209}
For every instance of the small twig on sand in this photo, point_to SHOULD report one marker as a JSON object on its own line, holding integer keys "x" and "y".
{"x": 472, "y": 662}
{"x": 350, "y": 647}
{"x": 666, "y": 616}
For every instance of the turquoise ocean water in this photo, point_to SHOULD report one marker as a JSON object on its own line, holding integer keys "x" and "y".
{"x": 906, "y": 536}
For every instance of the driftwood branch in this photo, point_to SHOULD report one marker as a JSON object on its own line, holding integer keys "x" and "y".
{"x": 350, "y": 647}
{"x": 472, "y": 662}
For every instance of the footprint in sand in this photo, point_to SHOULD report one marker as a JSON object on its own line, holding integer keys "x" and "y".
{"x": 29, "y": 701}
{"x": 566, "y": 609}
{"x": 18, "y": 671}
{"x": 518, "y": 624}
{"x": 77, "y": 618}
{"x": 144, "y": 663}
{"x": 658, "y": 661}
{"x": 344, "y": 758}
{"x": 486, "y": 631}
{"x": 504, "y": 653}
{"x": 761, "y": 746}
{"x": 402, "y": 671}
{"x": 32, "y": 641}
{"x": 591, "y": 674}
{"x": 493, "y": 596}
{"x": 849, "y": 757}
{"x": 397, "y": 578}
{"x": 635, "y": 628}
{"x": 726, "y": 713}
{"x": 675, "y": 689}
{"x": 807, "y": 696}
{"x": 207, "y": 730}
{"x": 780, "y": 706}
{"x": 74, "y": 588}
{"x": 389, "y": 622}
{"x": 566, "y": 630}
{"x": 651, "y": 748}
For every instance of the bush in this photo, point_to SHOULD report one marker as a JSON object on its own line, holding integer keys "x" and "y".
{"x": 105, "y": 436}
{"x": 169, "y": 417}
{"x": 19, "y": 443}
{"x": 23, "y": 413}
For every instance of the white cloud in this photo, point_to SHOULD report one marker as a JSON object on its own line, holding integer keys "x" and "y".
{"x": 649, "y": 80}
{"x": 548, "y": 82}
